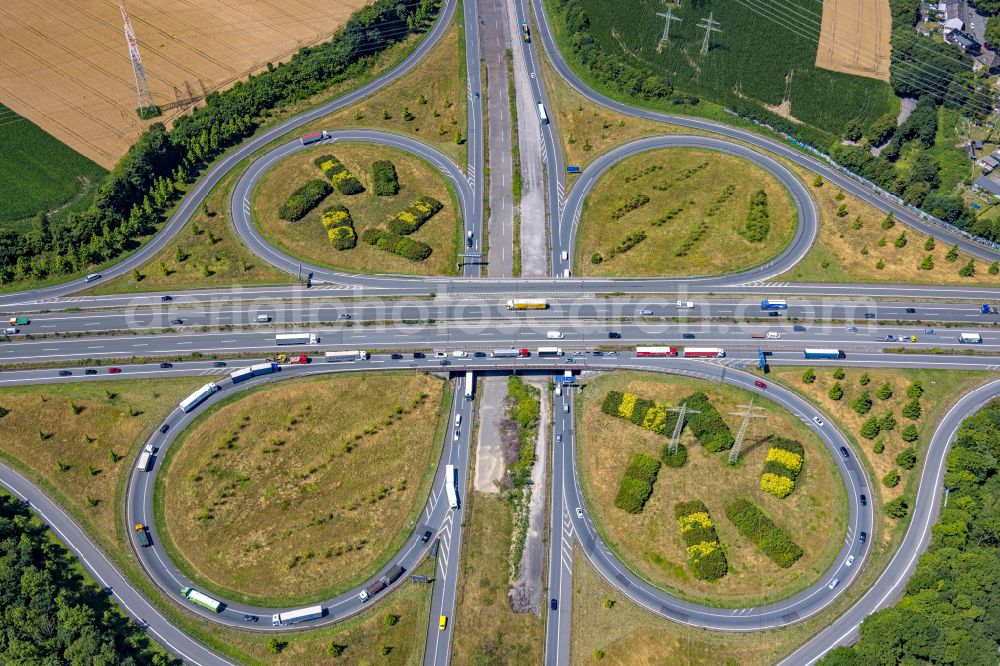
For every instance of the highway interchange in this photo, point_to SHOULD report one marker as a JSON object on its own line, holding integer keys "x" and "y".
{"x": 403, "y": 314}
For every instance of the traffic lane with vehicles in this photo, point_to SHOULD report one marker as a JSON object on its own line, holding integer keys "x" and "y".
{"x": 166, "y": 575}
{"x": 119, "y": 588}
{"x": 438, "y": 647}
{"x": 890, "y": 585}
{"x": 558, "y": 620}
{"x": 277, "y": 314}
{"x": 486, "y": 336}
{"x": 849, "y": 183}
{"x": 474, "y": 172}
{"x": 796, "y": 608}
{"x": 193, "y": 200}
{"x": 241, "y": 202}
{"x": 805, "y": 232}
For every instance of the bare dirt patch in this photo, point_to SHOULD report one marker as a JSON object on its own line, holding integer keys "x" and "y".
{"x": 854, "y": 38}
{"x": 66, "y": 64}
{"x": 301, "y": 489}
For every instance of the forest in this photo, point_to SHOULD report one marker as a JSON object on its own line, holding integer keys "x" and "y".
{"x": 950, "y": 613}
{"x": 51, "y": 614}
{"x": 136, "y": 195}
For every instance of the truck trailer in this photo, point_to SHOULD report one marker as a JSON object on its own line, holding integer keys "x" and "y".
{"x": 527, "y": 304}
{"x": 145, "y": 458}
{"x": 470, "y": 385}
{"x": 199, "y": 396}
{"x": 823, "y": 353}
{"x": 451, "y": 485}
{"x": 371, "y": 590}
{"x": 142, "y": 535}
{"x": 704, "y": 352}
{"x": 338, "y": 356}
{"x": 296, "y": 616}
{"x": 244, "y": 374}
{"x": 642, "y": 352}
{"x": 197, "y": 597}
{"x": 295, "y": 339}
{"x": 315, "y": 137}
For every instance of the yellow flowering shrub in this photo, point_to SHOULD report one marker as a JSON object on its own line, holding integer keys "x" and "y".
{"x": 792, "y": 461}
{"x": 703, "y": 549}
{"x": 779, "y": 486}
{"x": 698, "y": 519}
{"x": 627, "y": 406}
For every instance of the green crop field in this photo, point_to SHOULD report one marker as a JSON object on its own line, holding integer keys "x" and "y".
{"x": 40, "y": 173}
{"x": 757, "y": 57}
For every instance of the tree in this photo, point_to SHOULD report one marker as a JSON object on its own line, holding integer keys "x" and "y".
{"x": 818, "y": 181}
{"x": 881, "y": 129}
{"x": 907, "y": 458}
{"x": 900, "y": 239}
{"x": 809, "y": 376}
{"x": 869, "y": 429}
{"x": 879, "y": 445}
{"x": 915, "y": 390}
{"x": 884, "y": 391}
{"x": 911, "y": 410}
{"x": 887, "y": 422}
{"x": 891, "y": 479}
{"x": 909, "y": 433}
{"x": 407, "y": 116}
{"x": 994, "y": 268}
{"x": 865, "y": 379}
{"x": 862, "y": 404}
{"x": 897, "y": 508}
{"x": 968, "y": 270}
{"x": 927, "y": 264}
{"x": 836, "y": 391}
{"x": 842, "y": 211}
{"x": 880, "y": 264}
{"x": 992, "y": 31}
{"x": 952, "y": 255}
{"x": 274, "y": 646}
{"x": 852, "y": 130}
{"x": 889, "y": 222}
{"x": 386, "y": 115}
{"x": 179, "y": 254}
{"x": 929, "y": 244}
{"x": 838, "y": 373}
{"x": 335, "y": 649}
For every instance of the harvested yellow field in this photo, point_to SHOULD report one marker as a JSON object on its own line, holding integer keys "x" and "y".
{"x": 854, "y": 37}
{"x": 64, "y": 64}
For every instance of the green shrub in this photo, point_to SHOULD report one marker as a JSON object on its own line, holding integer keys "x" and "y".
{"x": 870, "y": 428}
{"x": 862, "y": 404}
{"x": 782, "y": 466}
{"x": 907, "y": 458}
{"x": 401, "y": 245}
{"x": 809, "y": 376}
{"x": 838, "y": 373}
{"x": 884, "y": 391}
{"x": 340, "y": 227}
{"x": 611, "y": 402}
{"x": 912, "y": 410}
{"x": 706, "y": 556}
{"x": 756, "y": 526}
{"x": 676, "y": 459}
{"x": 887, "y": 422}
{"x": 707, "y": 425}
{"x": 637, "y": 483}
{"x": 909, "y": 433}
{"x": 891, "y": 480}
{"x": 836, "y": 391}
{"x": 897, "y": 508}
{"x": 914, "y": 390}
{"x": 345, "y": 182}
{"x": 878, "y": 446}
{"x": 304, "y": 199}
{"x": 415, "y": 215}
{"x": 385, "y": 178}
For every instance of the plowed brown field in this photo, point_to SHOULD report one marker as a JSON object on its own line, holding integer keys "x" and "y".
{"x": 854, "y": 37}
{"x": 65, "y": 63}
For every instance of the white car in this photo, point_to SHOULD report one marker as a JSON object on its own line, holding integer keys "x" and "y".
{"x": 457, "y": 433}
{"x": 773, "y": 335}
{"x": 579, "y": 512}
{"x": 459, "y": 354}
{"x": 834, "y": 583}
{"x": 850, "y": 561}
{"x": 440, "y": 354}
{"x": 818, "y": 421}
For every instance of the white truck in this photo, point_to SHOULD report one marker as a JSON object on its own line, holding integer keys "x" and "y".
{"x": 199, "y": 396}
{"x": 146, "y": 458}
{"x": 470, "y": 385}
{"x": 451, "y": 485}
{"x": 296, "y": 339}
{"x": 338, "y": 356}
{"x": 685, "y": 305}
{"x": 295, "y": 616}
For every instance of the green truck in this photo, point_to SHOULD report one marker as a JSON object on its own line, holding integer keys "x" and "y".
{"x": 19, "y": 321}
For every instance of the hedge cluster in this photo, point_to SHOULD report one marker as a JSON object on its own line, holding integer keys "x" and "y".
{"x": 707, "y": 424}
{"x": 343, "y": 180}
{"x": 781, "y": 467}
{"x": 757, "y": 527}
{"x": 705, "y": 555}
{"x": 414, "y": 216}
{"x": 405, "y": 247}
{"x": 627, "y": 243}
{"x": 637, "y": 483}
{"x": 647, "y": 414}
{"x": 304, "y": 200}
{"x": 384, "y": 176}
{"x": 339, "y": 227}
{"x": 758, "y": 218}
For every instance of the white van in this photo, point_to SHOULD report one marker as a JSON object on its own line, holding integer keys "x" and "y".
{"x": 459, "y": 354}
{"x": 554, "y": 335}
{"x": 10, "y": 330}
{"x": 773, "y": 335}
{"x": 566, "y": 273}
{"x": 263, "y": 318}
{"x": 564, "y": 255}
{"x": 458, "y": 420}
{"x": 685, "y": 305}
{"x": 558, "y": 389}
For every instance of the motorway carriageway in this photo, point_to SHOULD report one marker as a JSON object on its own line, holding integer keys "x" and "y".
{"x": 474, "y": 310}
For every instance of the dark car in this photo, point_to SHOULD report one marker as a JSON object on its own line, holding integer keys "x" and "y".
{"x": 911, "y": 311}
{"x": 166, "y": 364}
{"x": 249, "y": 618}
{"x": 869, "y": 315}
{"x": 598, "y": 353}
{"x": 799, "y": 328}
{"x": 90, "y": 371}
{"x": 843, "y": 452}
{"x": 862, "y": 537}
{"x": 614, "y": 335}
{"x": 480, "y": 354}
{"x": 553, "y": 604}
{"x": 219, "y": 364}
{"x": 445, "y": 361}
{"x": 164, "y": 428}
{"x": 65, "y": 373}
{"x": 176, "y": 322}
{"x": 773, "y": 314}
{"x": 166, "y": 299}
{"x": 863, "y": 500}
{"x": 426, "y": 536}
{"x": 396, "y": 356}
{"x": 688, "y": 336}
{"x": 419, "y": 355}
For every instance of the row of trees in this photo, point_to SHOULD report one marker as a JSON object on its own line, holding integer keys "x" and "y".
{"x": 135, "y": 195}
